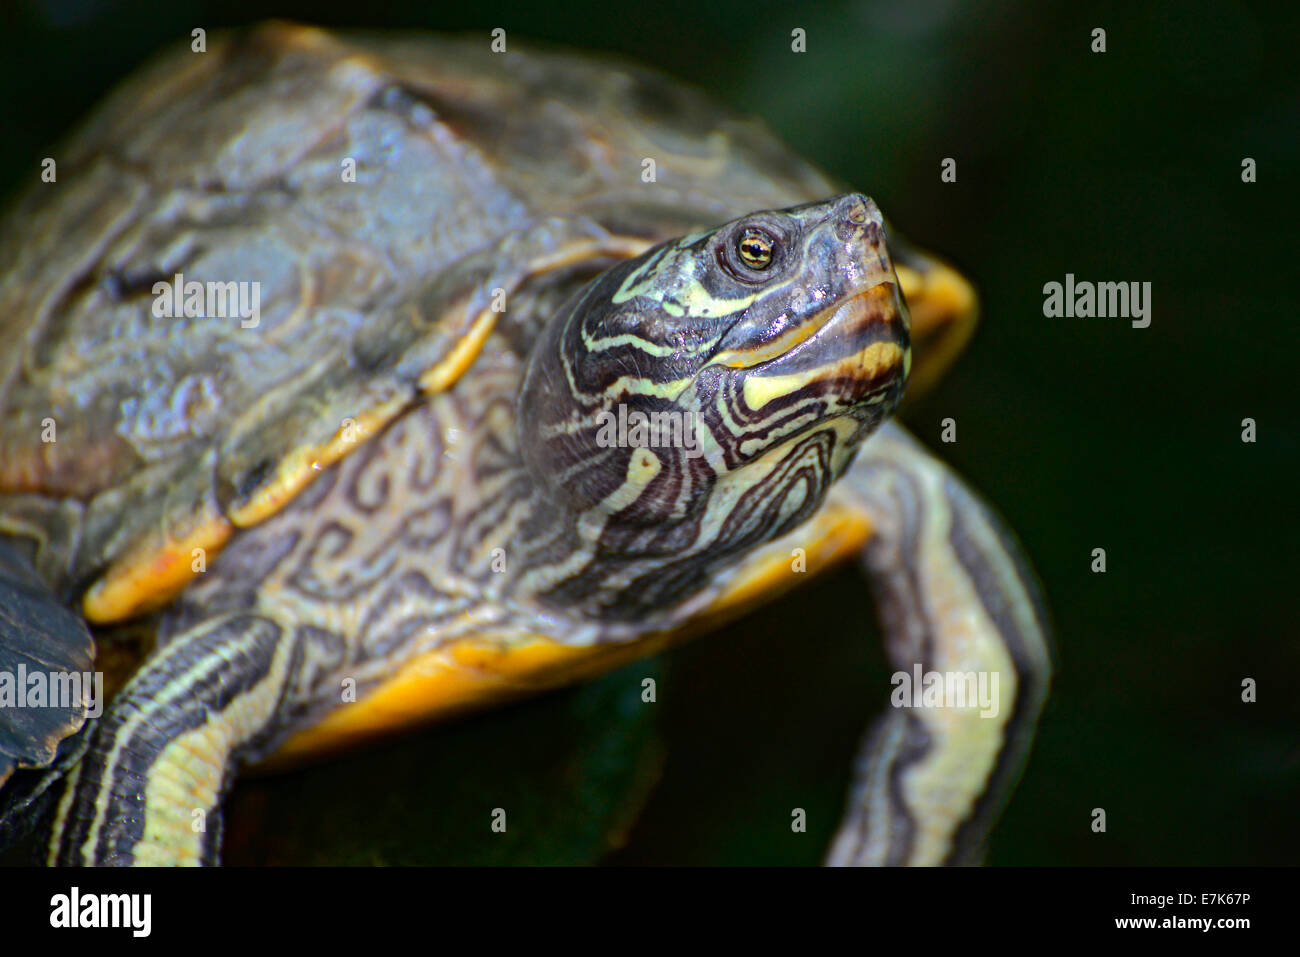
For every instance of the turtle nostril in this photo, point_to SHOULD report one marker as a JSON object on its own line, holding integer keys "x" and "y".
{"x": 856, "y": 218}
{"x": 856, "y": 209}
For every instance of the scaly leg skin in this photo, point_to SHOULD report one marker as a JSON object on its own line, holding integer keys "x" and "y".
{"x": 148, "y": 789}
{"x": 955, "y": 597}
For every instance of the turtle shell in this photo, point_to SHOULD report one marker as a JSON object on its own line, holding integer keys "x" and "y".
{"x": 375, "y": 192}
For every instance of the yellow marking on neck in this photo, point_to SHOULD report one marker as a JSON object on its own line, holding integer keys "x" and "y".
{"x": 629, "y": 339}
{"x": 642, "y": 467}
{"x": 631, "y": 385}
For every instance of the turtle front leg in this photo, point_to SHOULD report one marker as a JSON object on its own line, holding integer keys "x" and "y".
{"x": 959, "y": 607}
{"x": 149, "y": 787}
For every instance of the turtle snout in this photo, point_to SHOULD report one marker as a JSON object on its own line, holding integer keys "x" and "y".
{"x": 858, "y": 219}
{"x": 863, "y": 252}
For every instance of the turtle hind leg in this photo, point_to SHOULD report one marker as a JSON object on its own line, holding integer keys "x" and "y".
{"x": 149, "y": 787}
{"x": 958, "y": 606}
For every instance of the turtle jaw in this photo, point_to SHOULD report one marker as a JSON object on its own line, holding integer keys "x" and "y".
{"x": 857, "y": 356}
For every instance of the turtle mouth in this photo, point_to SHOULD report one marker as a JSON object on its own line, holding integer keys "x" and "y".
{"x": 863, "y": 337}
{"x": 855, "y": 355}
{"x": 880, "y": 302}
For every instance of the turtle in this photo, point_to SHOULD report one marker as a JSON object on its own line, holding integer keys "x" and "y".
{"x": 351, "y": 382}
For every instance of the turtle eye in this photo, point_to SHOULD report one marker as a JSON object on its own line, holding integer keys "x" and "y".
{"x": 756, "y": 249}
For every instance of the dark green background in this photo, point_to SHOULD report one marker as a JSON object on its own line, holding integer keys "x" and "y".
{"x": 1084, "y": 433}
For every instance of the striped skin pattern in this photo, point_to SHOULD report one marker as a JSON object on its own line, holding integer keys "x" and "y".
{"x": 782, "y": 373}
{"x": 164, "y": 754}
{"x": 954, "y": 597}
{"x": 490, "y": 514}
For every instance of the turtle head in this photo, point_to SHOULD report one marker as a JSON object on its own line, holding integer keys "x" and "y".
{"x": 756, "y": 354}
